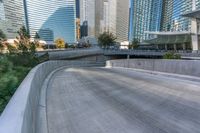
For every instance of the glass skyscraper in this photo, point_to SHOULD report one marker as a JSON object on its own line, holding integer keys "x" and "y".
{"x": 156, "y": 15}
{"x": 145, "y": 15}
{"x": 159, "y": 15}
{"x": 172, "y": 19}
{"x": 52, "y": 19}
{"x": 2, "y": 12}
{"x": 11, "y": 17}
{"x": 171, "y": 23}
{"x": 167, "y": 15}
{"x": 197, "y": 4}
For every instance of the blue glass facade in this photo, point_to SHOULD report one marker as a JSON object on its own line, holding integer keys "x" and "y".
{"x": 145, "y": 15}
{"x": 180, "y": 23}
{"x": 52, "y": 19}
{"x": 159, "y": 15}
{"x": 174, "y": 10}
{"x": 156, "y": 15}
{"x": 167, "y": 15}
{"x": 197, "y": 4}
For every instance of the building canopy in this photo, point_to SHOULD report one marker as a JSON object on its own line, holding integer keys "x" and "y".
{"x": 192, "y": 14}
{"x": 170, "y": 39}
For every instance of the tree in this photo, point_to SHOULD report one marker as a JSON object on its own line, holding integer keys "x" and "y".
{"x": 23, "y": 33}
{"x": 37, "y": 36}
{"x": 106, "y": 39}
{"x": 2, "y": 38}
{"x": 2, "y": 35}
{"x": 66, "y": 45}
{"x": 171, "y": 55}
{"x": 24, "y": 40}
{"x": 24, "y": 45}
{"x": 36, "y": 42}
{"x": 134, "y": 44}
{"x": 60, "y": 43}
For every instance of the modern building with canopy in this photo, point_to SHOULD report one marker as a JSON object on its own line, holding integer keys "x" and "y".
{"x": 182, "y": 32}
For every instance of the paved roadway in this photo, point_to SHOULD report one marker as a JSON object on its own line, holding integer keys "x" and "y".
{"x": 115, "y": 100}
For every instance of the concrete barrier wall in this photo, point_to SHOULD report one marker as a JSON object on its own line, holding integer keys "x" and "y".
{"x": 74, "y": 54}
{"x": 184, "y": 67}
{"x": 20, "y": 114}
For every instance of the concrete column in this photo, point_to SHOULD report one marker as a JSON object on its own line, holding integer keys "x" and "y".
{"x": 157, "y": 46}
{"x": 175, "y": 48}
{"x": 195, "y": 43}
{"x": 184, "y": 46}
{"x": 166, "y": 47}
{"x": 128, "y": 56}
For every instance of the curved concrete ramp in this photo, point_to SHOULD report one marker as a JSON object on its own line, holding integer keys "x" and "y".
{"x": 115, "y": 100}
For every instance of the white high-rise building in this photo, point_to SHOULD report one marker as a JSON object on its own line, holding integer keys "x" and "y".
{"x": 98, "y": 16}
{"x": 105, "y": 16}
{"x": 112, "y": 16}
{"x": 87, "y": 14}
{"x": 119, "y": 19}
{"x": 11, "y": 17}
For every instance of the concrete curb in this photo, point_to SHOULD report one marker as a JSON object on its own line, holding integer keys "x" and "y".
{"x": 41, "y": 123}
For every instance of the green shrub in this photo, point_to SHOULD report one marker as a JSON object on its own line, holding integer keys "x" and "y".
{"x": 5, "y": 65}
{"x": 106, "y": 39}
{"x": 16, "y": 65}
{"x": 26, "y": 59}
{"x": 171, "y": 55}
{"x": 13, "y": 69}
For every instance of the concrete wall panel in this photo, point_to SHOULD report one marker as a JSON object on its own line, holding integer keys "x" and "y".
{"x": 184, "y": 67}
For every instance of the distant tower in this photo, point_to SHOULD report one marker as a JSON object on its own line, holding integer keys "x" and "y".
{"x": 119, "y": 18}
{"x": 172, "y": 19}
{"x": 167, "y": 15}
{"x": 2, "y": 12}
{"x": 11, "y": 17}
{"x": 52, "y": 19}
{"x": 87, "y": 14}
{"x": 105, "y": 16}
{"x": 145, "y": 15}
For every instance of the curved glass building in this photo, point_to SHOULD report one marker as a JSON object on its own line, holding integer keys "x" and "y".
{"x": 52, "y": 19}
